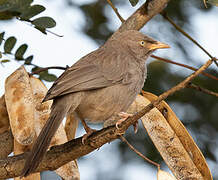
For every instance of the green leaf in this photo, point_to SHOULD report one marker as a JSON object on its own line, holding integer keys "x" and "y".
{"x": 20, "y": 52}
{"x": 5, "y": 61}
{"x": 50, "y": 77}
{"x": 47, "y": 77}
{"x": 44, "y": 22}
{"x": 14, "y": 5}
{"x": 1, "y": 37}
{"x": 133, "y": 2}
{"x": 32, "y": 11}
{"x": 20, "y": 5}
{"x": 5, "y": 5}
{"x": 6, "y": 15}
{"x": 41, "y": 29}
{"x": 0, "y": 54}
{"x": 9, "y": 44}
{"x": 28, "y": 60}
{"x": 36, "y": 68}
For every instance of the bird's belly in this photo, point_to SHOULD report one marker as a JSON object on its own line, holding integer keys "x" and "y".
{"x": 101, "y": 104}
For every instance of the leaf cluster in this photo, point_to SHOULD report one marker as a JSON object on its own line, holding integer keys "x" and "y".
{"x": 8, "y": 46}
{"x": 24, "y": 11}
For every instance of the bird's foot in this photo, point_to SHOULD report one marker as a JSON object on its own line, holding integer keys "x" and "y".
{"x": 124, "y": 116}
{"x": 89, "y": 132}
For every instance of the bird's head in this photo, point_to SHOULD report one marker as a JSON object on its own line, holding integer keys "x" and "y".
{"x": 138, "y": 44}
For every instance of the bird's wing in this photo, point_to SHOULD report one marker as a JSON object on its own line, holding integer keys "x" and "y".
{"x": 86, "y": 75}
{"x": 79, "y": 78}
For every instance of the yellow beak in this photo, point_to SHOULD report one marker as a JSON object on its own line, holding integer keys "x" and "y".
{"x": 158, "y": 45}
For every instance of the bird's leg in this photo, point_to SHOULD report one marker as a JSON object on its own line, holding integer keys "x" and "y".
{"x": 124, "y": 116}
{"x": 88, "y": 130}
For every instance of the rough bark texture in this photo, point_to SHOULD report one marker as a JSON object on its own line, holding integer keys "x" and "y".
{"x": 147, "y": 11}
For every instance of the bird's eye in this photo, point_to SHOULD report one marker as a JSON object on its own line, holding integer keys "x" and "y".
{"x": 142, "y": 43}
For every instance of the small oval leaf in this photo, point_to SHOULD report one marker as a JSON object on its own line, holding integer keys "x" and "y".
{"x": 20, "y": 6}
{"x": 32, "y": 11}
{"x": 133, "y": 2}
{"x": 20, "y": 52}
{"x": 47, "y": 77}
{"x": 28, "y": 60}
{"x": 1, "y": 37}
{"x": 5, "y": 61}
{"x": 4, "y": 6}
{"x": 9, "y": 44}
{"x": 43, "y": 30}
{"x": 44, "y": 22}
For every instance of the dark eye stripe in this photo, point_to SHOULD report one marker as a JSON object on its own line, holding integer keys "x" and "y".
{"x": 150, "y": 41}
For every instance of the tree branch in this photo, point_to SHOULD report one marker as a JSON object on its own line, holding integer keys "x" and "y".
{"x": 187, "y": 35}
{"x": 147, "y": 11}
{"x": 138, "y": 153}
{"x": 198, "y": 88}
{"x": 47, "y": 68}
{"x": 184, "y": 65}
{"x": 115, "y": 10}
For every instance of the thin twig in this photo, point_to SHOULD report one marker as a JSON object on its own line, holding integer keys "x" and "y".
{"x": 198, "y": 88}
{"x": 184, "y": 65}
{"x": 187, "y": 35}
{"x": 47, "y": 68}
{"x": 116, "y": 11}
{"x": 31, "y": 25}
{"x": 140, "y": 154}
{"x": 54, "y": 33}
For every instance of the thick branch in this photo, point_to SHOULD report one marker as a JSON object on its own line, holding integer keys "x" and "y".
{"x": 147, "y": 11}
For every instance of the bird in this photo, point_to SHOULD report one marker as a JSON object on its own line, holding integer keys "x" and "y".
{"x": 100, "y": 85}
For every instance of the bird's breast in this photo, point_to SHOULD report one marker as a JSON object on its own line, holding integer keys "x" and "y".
{"x": 99, "y": 105}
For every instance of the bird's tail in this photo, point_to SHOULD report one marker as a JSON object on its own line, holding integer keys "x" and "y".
{"x": 58, "y": 111}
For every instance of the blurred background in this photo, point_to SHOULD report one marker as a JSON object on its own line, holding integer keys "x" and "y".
{"x": 85, "y": 25}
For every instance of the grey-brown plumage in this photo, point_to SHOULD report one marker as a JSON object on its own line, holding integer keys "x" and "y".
{"x": 100, "y": 85}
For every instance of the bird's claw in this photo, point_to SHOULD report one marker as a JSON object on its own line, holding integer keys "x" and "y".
{"x": 123, "y": 116}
